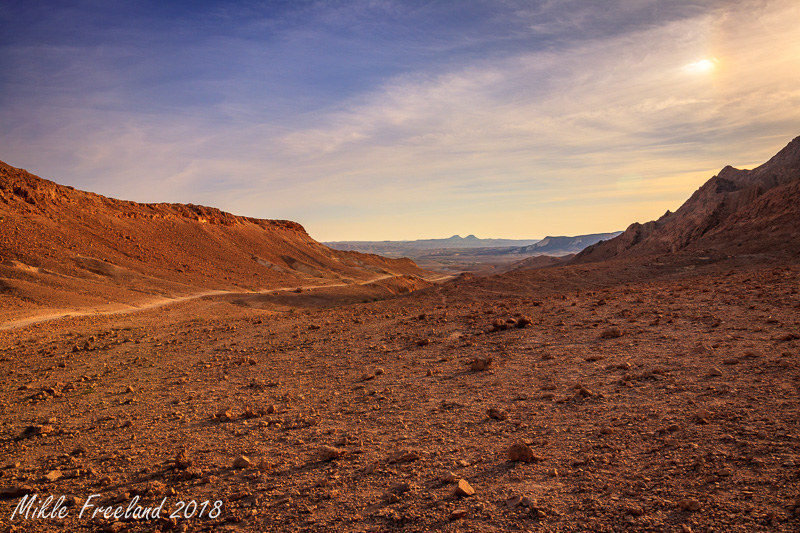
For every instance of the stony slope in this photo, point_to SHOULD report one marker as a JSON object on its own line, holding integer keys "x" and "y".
{"x": 539, "y": 261}
{"x": 736, "y": 211}
{"x": 647, "y": 401}
{"x": 64, "y": 247}
{"x": 563, "y": 245}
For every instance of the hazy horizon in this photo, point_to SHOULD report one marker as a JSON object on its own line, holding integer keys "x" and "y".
{"x": 537, "y": 239}
{"x": 401, "y": 120}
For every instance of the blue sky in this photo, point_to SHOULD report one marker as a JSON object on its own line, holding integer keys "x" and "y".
{"x": 390, "y": 119}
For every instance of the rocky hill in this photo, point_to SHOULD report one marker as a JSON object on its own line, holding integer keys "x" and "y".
{"x": 563, "y": 245}
{"x": 59, "y": 246}
{"x": 737, "y": 211}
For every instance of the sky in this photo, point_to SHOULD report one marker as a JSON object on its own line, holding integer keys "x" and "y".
{"x": 400, "y": 119}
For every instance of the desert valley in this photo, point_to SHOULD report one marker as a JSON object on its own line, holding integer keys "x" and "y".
{"x": 225, "y": 373}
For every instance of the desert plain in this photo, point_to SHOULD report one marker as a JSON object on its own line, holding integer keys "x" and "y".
{"x": 651, "y": 384}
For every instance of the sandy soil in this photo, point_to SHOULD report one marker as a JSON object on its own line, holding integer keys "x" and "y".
{"x": 640, "y": 397}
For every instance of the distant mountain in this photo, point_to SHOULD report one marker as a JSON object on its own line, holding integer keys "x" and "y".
{"x": 415, "y": 248}
{"x": 471, "y": 254}
{"x": 557, "y": 246}
{"x": 735, "y": 212}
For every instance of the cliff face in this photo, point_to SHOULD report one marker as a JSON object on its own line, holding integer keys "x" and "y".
{"x": 58, "y": 237}
{"x": 564, "y": 245}
{"x": 735, "y": 211}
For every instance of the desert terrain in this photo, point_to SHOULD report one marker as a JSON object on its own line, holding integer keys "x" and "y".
{"x": 480, "y": 257}
{"x": 649, "y": 384}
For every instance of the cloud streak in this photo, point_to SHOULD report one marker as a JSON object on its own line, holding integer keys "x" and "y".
{"x": 512, "y": 120}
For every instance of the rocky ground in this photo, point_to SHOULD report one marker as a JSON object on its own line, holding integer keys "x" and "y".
{"x": 574, "y": 399}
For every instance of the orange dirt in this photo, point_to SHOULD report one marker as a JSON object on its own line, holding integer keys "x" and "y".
{"x": 656, "y": 390}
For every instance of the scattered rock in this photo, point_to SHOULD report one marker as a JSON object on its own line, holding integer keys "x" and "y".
{"x": 480, "y": 363}
{"x": 524, "y": 321}
{"x": 404, "y": 456}
{"x": 457, "y": 514}
{"x": 634, "y": 510}
{"x": 182, "y": 462}
{"x": 498, "y": 325}
{"x": 115, "y": 527}
{"x": 514, "y": 502}
{"x": 449, "y": 477}
{"x": 241, "y": 462}
{"x": 496, "y": 414}
{"x": 191, "y": 473}
{"x": 463, "y": 489}
{"x": 689, "y": 504}
{"x": 77, "y": 452}
{"x": 527, "y": 502}
{"x": 15, "y": 491}
{"x": 702, "y": 416}
{"x": 611, "y": 333}
{"x": 519, "y": 451}
{"x": 224, "y": 415}
{"x": 400, "y": 488}
{"x": 36, "y": 429}
{"x": 346, "y": 440}
{"x": 329, "y": 453}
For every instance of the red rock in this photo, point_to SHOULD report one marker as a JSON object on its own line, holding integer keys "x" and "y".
{"x": 463, "y": 489}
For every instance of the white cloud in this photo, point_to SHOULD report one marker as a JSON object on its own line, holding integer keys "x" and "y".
{"x": 470, "y": 148}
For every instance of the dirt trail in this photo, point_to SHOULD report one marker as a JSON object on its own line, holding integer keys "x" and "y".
{"x": 49, "y": 315}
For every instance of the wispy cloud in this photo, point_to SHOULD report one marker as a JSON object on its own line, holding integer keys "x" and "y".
{"x": 400, "y": 120}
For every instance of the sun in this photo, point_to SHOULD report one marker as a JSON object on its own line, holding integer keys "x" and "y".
{"x": 701, "y": 67}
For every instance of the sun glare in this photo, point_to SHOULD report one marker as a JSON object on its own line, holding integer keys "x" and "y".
{"x": 701, "y": 67}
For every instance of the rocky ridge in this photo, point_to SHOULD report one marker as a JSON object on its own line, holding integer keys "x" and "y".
{"x": 736, "y": 211}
